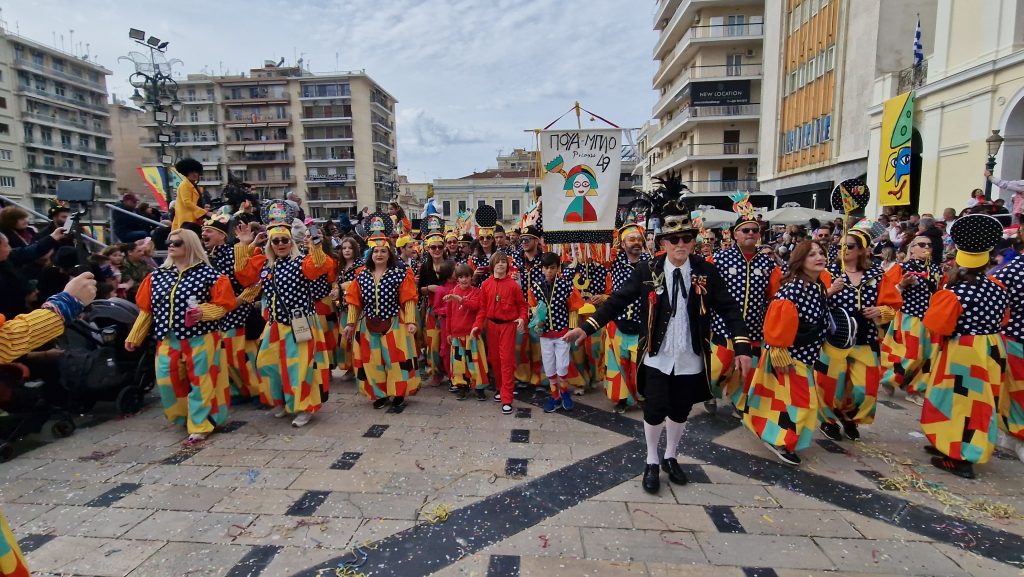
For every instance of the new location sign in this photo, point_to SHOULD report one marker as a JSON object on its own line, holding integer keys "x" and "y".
{"x": 720, "y": 93}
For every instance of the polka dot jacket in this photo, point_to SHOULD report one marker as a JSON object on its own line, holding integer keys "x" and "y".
{"x": 809, "y": 300}
{"x": 529, "y": 269}
{"x": 169, "y": 297}
{"x": 629, "y": 320}
{"x": 557, "y": 300}
{"x": 476, "y": 261}
{"x": 592, "y": 274}
{"x": 1012, "y": 277}
{"x": 286, "y": 289}
{"x": 917, "y": 296}
{"x": 854, "y": 298}
{"x": 380, "y": 298}
{"x": 747, "y": 282}
{"x": 222, "y": 258}
{"x": 984, "y": 307}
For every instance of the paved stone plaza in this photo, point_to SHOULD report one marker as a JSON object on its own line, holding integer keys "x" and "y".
{"x": 454, "y": 488}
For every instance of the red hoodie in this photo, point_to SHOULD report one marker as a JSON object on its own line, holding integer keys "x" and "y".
{"x": 501, "y": 300}
{"x": 462, "y": 315}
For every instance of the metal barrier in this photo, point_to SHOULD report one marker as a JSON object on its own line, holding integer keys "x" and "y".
{"x": 10, "y": 202}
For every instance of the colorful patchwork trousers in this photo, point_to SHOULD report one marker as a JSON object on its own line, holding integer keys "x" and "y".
{"x": 289, "y": 368}
{"x": 1011, "y": 395}
{"x": 242, "y": 374}
{"x": 12, "y": 563}
{"x": 723, "y": 376}
{"x": 192, "y": 379}
{"x": 907, "y": 354}
{"x": 781, "y": 405}
{"x": 621, "y": 355}
{"x": 386, "y": 364}
{"x": 847, "y": 382}
{"x": 431, "y": 328}
{"x": 468, "y": 360}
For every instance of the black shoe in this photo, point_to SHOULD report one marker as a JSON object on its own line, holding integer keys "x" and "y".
{"x": 959, "y": 468}
{"x": 931, "y": 450}
{"x": 620, "y": 407}
{"x": 453, "y": 389}
{"x": 481, "y": 395}
{"x": 461, "y": 396}
{"x": 497, "y": 397}
{"x": 675, "y": 472}
{"x": 398, "y": 402}
{"x": 652, "y": 478}
{"x": 380, "y": 403}
{"x": 850, "y": 429}
{"x": 711, "y": 406}
{"x": 831, "y": 430}
{"x": 783, "y": 455}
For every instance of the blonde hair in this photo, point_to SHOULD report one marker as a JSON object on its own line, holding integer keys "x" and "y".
{"x": 269, "y": 250}
{"x": 194, "y": 251}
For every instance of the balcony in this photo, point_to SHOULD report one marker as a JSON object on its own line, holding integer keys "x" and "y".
{"x": 53, "y": 97}
{"x": 55, "y": 120}
{"x": 314, "y": 137}
{"x": 318, "y": 195}
{"x": 665, "y": 8}
{"x": 53, "y": 72}
{"x": 102, "y": 172}
{"x": 698, "y": 35}
{"x": 272, "y": 181}
{"x": 278, "y": 159}
{"x": 281, "y": 98}
{"x": 57, "y": 145}
{"x": 329, "y": 178}
{"x": 718, "y": 187}
{"x": 263, "y": 140}
{"x": 180, "y": 122}
{"x": 692, "y": 114}
{"x": 383, "y": 143}
{"x": 308, "y": 94}
{"x": 912, "y": 78}
{"x": 316, "y": 119}
{"x": 197, "y": 99}
{"x": 259, "y": 120}
{"x": 203, "y": 141}
{"x": 716, "y": 72}
{"x": 330, "y": 158}
{"x": 385, "y": 124}
{"x": 690, "y": 153}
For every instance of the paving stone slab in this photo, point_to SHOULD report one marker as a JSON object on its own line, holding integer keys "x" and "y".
{"x": 86, "y": 521}
{"x": 763, "y": 551}
{"x": 191, "y": 526}
{"x": 152, "y": 474}
{"x": 608, "y": 514}
{"x": 65, "y": 493}
{"x": 800, "y": 522}
{"x": 629, "y": 545}
{"x": 307, "y": 532}
{"x": 18, "y": 514}
{"x": 553, "y": 567}
{"x": 544, "y": 541}
{"x": 174, "y": 498}
{"x": 258, "y": 500}
{"x": 266, "y": 477}
{"x": 670, "y": 517}
{"x": 91, "y": 556}
{"x": 191, "y": 559}
{"x": 900, "y": 557}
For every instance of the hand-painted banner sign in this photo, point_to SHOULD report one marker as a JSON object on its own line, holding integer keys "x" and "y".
{"x": 897, "y": 129}
{"x": 580, "y": 189}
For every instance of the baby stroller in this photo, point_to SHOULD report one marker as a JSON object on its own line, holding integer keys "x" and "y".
{"x": 24, "y": 409}
{"x": 95, "y": 367}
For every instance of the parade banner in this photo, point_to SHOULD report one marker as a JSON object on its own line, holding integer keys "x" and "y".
{"x": 580, "y": 188}
{"x": 895, "y": 154}
{"x": 156, "y": 179}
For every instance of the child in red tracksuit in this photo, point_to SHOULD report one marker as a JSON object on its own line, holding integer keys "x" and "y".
{"x": 502, "y": 312}
{"x": 445, "y": 275}
{"x": 467, "y": 354}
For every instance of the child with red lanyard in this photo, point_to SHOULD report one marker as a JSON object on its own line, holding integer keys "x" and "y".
{"x": 561, "y": 301}
{"x": 467, "y": 357}
{"x": 504, "y": 310}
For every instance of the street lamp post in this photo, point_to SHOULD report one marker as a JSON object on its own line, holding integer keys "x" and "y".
{"x": 159, "y": 90}
{"x": 993, "y": 142}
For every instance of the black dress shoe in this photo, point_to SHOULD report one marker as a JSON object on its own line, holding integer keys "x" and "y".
{"x": 380, "y": 403}
{"x": 652, "y": 478}
{"x": 675, "y": 472}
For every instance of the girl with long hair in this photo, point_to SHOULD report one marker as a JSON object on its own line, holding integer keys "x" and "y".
{"x": 781, "y": 402}
{"x": 429, "y": 283}
{"x": 180, "y": 304}
{"x": 848, "y": 378}
{"x": 348, "y": 259}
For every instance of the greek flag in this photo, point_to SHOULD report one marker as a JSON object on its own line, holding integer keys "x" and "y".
{"x": 918, "y": 51}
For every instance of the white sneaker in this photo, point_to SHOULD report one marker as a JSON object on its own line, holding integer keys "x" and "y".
{"x": 302, "y": 419}
{"x": 279, "y": 412}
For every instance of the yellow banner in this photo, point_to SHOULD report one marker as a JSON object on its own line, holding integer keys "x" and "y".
{"x": 895, "y": 154}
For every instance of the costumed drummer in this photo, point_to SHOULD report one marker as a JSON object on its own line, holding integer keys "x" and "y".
{"x": 180, "y": 304}
{"x": 848, "y": 377}
{"x": 622, "y": 334}
{"x": 382, "y": 318}
{"x": 959, "y": 415}
{"x": 679, "y": 291}
{"x": 746, "y": 273}
{"x": 291, "y": 350}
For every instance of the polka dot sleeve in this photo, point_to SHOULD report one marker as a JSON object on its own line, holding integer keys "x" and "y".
{"x": 944, "y": 311}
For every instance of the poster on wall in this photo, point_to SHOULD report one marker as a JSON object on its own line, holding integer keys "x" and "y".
{"x": 895, "y": 153}
{"x": 721, "y": 93}
{"x": 580, "y": 189}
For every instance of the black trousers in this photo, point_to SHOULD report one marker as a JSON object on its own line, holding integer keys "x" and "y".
{"x": 672, "y": 396}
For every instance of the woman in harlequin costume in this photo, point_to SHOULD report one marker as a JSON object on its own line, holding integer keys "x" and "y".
{"x": 325, "y": 294}
{"x": 1011, "y": 396}
{"x": 291, "y": 351}
{"x": 428, "y": 284}
{"x": 382, "y": 316}
{"x": 959, "y": 415}
{"x": 848, "y": 385}
{"x": 622, "y": 335}
{"x": 480, "y": 259}
{"x": 348, "y": 264}
{"x": 180, "y": 304}
{"x": 587, "y": 369}
{"x": 907, "y": 351}
{"x": 781, "y": 404}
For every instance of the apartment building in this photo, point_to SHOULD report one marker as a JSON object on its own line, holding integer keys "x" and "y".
{"x": 54, "y": 122}
{"x": 818, "y": 87}
{"x": 710, "y": 55}
{"x": 127, "y": 135}
{"x": 328, "y": 137}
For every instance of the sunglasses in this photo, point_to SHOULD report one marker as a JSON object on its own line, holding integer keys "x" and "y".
{"x": 435, "y": 247}
{"x": 176, "y": 243}
{"x": 677, "y": 238}
{"x": 922, "y": 244}
{"x": 749, "y": 230}
{"x": 487, "y": 237}
{"x": 851, "y": 246}
{"x": 280, "y": 241}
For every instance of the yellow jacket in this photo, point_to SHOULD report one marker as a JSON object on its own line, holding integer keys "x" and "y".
{"x": 186, "y": 205}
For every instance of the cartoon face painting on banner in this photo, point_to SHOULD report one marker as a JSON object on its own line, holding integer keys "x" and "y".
{"x": 897, "y": 130}
{"x": 581, "y": 184}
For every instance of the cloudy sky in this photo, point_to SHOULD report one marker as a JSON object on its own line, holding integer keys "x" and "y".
{"x": 469, "y": 75}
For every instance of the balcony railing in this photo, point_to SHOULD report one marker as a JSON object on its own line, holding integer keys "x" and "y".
{"x": 26, "y": 63}
{"x": 276, "y": 158}
{"x": 723, "y": 186}
{"x": 700, "y": 112}
{"x": 317, "y": 136}
{"x": 197, "y": 99}
{"x": 72, "y": 101}
{"x": 31, "y": 141}
{"x": 98, "y": 171}
{"x": 346, "y": 177}
{"x": 71, "y": 123}
{"x": 912, "y": 78}
{"x": 692, "y": 152}
{"x": 252, "y": 139}
{"x": 316, "y": 195}
{"x": 330, "y": 157}
{"x": 254, "y": 118}
{"x": 229, "y": 99}
{"x": 712, "y": 32}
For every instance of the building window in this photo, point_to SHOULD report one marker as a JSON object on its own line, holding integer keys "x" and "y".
{"x": 826, "y": 128}
{"x": 499, "y": 207}
{"x": 830, "y": 57}
{"x": 5, "y": 128}
{"x": 446, "y": 207}
{"x": 6, "y": 154}
{"x": 515, "y": 208}
{"x": 6, "y": 182}
{"x": 480, "y": 202}
{"x": 462, "y": 206}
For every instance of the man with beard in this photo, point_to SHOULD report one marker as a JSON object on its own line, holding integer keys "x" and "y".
{"x": 622, "y": 341}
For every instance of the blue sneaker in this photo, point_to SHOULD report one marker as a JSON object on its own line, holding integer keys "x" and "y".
{"x": 567, "y": 400}
{"x": 552, "y": 405}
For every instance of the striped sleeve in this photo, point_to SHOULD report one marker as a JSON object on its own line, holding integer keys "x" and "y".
{"x": 25, "y": 333}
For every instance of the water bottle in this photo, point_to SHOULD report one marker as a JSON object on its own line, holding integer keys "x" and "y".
{"x": 193, "y": 304}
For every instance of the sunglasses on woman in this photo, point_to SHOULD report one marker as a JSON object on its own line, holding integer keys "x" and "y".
{"x": 176, "y": 243}
{"x": 280, "y": 241}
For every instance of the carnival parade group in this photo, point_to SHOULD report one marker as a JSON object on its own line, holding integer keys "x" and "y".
{"x": 267, "y": 312}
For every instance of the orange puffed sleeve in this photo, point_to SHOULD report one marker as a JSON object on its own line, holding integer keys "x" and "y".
{"x": 826, "y": 278}
{"x": 407, "y": 290}
{"x": 249, "y": 274}
{"x": 888, "y": 296}
{"x": 144, "y": 296}
{"x": 352, "y": 294}
{"x": 780, "y": 323}
{"x": 774, "y": 281}
{"x": 575, "y": 301}
{"x": 316, "y": 264}
{"x": 944, "y": 311}
{"x": 222, "y": 294}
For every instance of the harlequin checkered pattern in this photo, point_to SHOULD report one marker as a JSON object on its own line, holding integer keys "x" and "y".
{"x": 810, "y": 305}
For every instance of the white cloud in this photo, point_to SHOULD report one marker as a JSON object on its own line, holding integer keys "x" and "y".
{"x": 421, "y": 133}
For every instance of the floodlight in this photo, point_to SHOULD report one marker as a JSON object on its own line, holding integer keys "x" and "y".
{"x": 153, "y": 41}
{"x": 136, "y": 34}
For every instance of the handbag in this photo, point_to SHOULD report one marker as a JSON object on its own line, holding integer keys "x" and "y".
{"x": 301, "y": 327}
{"x": 378, "y": 326}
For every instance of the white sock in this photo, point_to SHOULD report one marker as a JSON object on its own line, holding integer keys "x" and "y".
{"x": 673, "y": 433}
{"x": 653, "y": 434}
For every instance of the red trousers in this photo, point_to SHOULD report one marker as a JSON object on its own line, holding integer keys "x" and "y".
{"x": 501, "y": 355}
